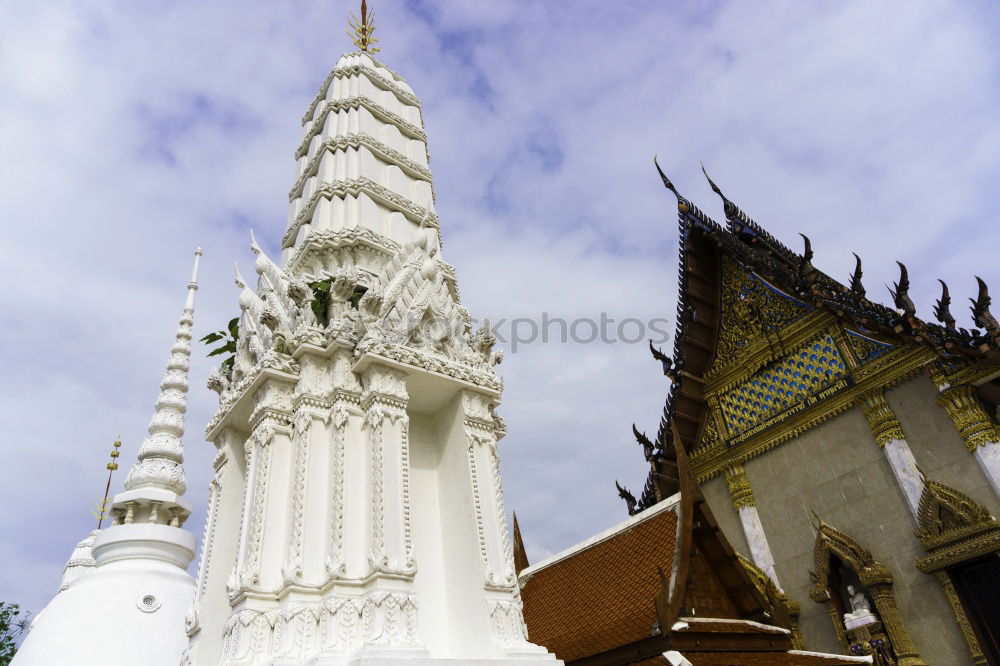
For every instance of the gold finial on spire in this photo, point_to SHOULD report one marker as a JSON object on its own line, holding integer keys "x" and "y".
{"x": 101, "y": 506}
{"x": 361, "y": 31}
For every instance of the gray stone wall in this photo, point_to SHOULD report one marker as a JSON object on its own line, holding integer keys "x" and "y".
{"x": 839, "y": 471}
{"x": 717, "y": 496}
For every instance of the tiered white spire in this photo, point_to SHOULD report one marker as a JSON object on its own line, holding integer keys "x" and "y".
{"x": 162, "y": 452}
{"x": 362, "y": 160}
{"x": 132, "y": 576}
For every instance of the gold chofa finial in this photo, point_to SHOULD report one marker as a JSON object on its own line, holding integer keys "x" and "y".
{"x": 361, "y": 31}
{"x": 101, "y": 506}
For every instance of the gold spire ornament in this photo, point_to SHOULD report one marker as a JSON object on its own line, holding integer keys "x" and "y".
{"x": 361, "y": 31}
{"x": 101, "y": 505}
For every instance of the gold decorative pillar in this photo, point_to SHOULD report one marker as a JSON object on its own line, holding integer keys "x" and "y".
{"x": 888, "y": 434}
{"x": 963, "y": 621}
{"x": 885, "y": 602}
{"x": 974, "y": 425}
{"x": 746, "y": 507}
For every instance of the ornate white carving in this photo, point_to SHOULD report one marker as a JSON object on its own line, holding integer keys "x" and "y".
{"x": 250, "y": 466}
{"x": 507, "y": 621}
{"x": 335, "y": 564}
{"x": 261, "y": 445}
{"x": 472, "y": 436}
{"x": 355, "y": 141}
{"x": 378, "y": 560}
{"x": 336, "y": 627}
{"x": 354, "y": 70}
{"x": 385, "y": 385}
{"x": 353, "y": 187}
{"x": 191, "y": 620}
{"x": 357, "y": 102}
{"x": 295, "y": 631}
{"x": 301, "y": 427}
{"x": 342, "y": 246}
{"x": 409, "y": 565}
{"x": 509, "y": 576}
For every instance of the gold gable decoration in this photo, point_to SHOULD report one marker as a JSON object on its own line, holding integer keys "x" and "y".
{"x": 953, "y": 527}
{"x": 866, "y": 349}
{"x": 750, "y": 309}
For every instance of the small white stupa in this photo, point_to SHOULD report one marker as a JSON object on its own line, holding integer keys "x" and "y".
{"x": 126, "y": 605}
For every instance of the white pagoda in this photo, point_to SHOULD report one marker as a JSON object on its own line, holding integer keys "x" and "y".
{"x": 356, "y": 514}
{"x": 126, "y": 588}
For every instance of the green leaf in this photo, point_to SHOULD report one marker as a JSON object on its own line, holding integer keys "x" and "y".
{"x": 217, "y": 351}
{"x": 213, "y": 337}
{"x": 234, "y": 327}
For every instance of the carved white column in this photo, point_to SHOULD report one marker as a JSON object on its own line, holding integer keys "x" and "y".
{"x": 336, "y": 562}
{"x": 743, "y": 501}
{"x": 888, "y": 434}
{"x": 974, "y": 425}
{"x": 191, "y": 623}
{"x": 384, "y": 402}
{"x": 487, "y": 492}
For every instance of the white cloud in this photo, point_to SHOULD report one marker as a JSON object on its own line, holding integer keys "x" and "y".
{"x": 131, "y": 133}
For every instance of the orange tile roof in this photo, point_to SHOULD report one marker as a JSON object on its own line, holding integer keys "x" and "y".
{"x": 601, "y": 597}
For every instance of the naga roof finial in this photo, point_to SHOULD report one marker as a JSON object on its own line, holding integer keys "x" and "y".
{"x": 238, "y": 279}
{"x": 666, "y": 361}
{"x": 901, "y": 293}
{"x": 807, "y": 254}
{"x": 728, "y": 206}
{"x": 360, "y": 31}
{"x": 857, "y": 288}
{"x": 941, "y": 310}
{"x": 629, "y": 498}
{"x": 683, "y": 205}
{"x": 647, "y": 446}
{"x": 981, "y": 314}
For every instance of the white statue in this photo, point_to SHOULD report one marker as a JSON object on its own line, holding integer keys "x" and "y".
{"x": 861, "y": 611}
{"x": 859, "y": 602}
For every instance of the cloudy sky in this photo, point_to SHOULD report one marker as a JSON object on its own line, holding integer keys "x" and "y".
{"x": 131, "y": 132}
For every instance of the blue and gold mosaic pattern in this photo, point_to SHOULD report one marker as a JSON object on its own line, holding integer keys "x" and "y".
{"x": 808, "y": 370}
{"x": 865, "y": 348}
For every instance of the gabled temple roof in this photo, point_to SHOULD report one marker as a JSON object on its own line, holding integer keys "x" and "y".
{"x": 704, "y": 243}
{"x": 664, "y": 581}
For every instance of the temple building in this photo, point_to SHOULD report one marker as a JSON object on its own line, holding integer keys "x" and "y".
{"x": 664, "y": 587}
{"x": 820, "y": 493}
{"x": 849, "y": 451}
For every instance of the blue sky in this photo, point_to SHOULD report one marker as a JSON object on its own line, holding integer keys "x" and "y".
{"x": 131, "y": 132}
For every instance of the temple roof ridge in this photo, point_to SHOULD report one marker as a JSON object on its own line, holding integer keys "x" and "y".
{"x": 756, "y": 251}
